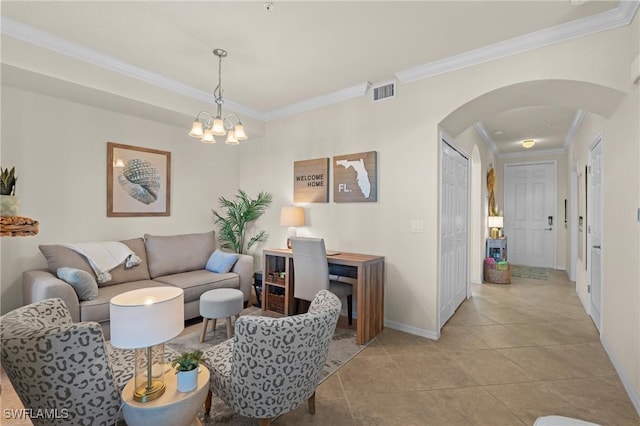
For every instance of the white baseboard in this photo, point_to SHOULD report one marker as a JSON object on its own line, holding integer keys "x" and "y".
{"x": 633, "y": 396}
{"x": 585, "y": 303}
{"x": 412, "y": 330}
{"x": 476, "y": 280}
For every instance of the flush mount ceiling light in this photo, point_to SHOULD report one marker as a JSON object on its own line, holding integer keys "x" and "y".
{"x": 528, "y": 143}
{"x": 211, "y": 125}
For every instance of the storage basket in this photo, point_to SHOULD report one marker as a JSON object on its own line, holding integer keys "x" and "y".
{"x": 496, "y": 276}
{"x": 275, "y": 303}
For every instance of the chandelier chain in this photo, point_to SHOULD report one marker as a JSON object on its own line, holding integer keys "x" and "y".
{"x": 218, "y": 91}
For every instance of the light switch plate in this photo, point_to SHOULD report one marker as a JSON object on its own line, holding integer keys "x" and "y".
{"x": 417, "y": 225}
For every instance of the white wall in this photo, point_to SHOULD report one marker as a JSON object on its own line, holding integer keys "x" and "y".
{"x": 621, "y": 241}
{"x": 59, "y": 150}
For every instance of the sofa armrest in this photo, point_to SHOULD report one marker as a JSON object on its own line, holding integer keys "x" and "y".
{"x": 244, "y": 268}
{"x": 41, "y": 284}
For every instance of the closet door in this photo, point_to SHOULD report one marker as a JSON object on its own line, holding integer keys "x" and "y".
{"x": 454, "y": 184}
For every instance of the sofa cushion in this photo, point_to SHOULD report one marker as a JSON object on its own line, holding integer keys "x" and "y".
{"x": 82, "y": 282}
{"x": 135, "y": 273}
{"x": 194, "y": 283}
{"x": 221, "y": 262}
{"x": 59, "y": 257}
{"x": 178, "y": 253}
{"x": 98, "y": 308}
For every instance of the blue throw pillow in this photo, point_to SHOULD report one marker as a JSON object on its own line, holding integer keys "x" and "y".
{"x": 82, "y": 282}
{"x": 221, "y": 262}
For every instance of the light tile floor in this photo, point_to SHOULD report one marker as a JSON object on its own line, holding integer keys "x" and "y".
{"x": 510, "y": 354}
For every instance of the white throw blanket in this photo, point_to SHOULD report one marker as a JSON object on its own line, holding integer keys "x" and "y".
{"x": 105, "y": 256}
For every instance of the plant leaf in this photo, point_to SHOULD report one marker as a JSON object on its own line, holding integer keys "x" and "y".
{"x": 240, "y": 211}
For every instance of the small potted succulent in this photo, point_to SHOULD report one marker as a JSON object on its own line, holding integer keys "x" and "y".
{"x": 186, "y": 366}
{"x": 8, "y": 199}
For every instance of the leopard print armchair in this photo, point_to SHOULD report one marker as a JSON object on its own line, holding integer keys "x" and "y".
{"x": 59, "y": 369}
{"x": 275, "y": 364}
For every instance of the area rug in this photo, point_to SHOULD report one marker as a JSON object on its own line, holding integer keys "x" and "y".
{"x": 530, "y": 272}
{"x": 343, "y": 347}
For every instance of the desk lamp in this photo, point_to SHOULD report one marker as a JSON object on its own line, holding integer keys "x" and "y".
{"x": 292, "y": 217}
{"x": 143, "y": 320}
{"x": 495, "y": 223}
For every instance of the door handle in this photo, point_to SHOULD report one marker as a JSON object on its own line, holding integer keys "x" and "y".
{"x": 597, "y": 247}
{"x": 548, "y": 229}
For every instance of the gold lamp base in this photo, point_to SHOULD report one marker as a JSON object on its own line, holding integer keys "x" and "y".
{"x": 149, "y": 393}
{"x": 495, "y": 232}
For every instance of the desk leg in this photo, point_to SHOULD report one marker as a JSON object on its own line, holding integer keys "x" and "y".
{"x": 370, "y": 302}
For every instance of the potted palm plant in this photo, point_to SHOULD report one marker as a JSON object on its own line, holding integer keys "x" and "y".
{"x": 241, "y": 211}
{"x": 186, "y": 366}
{"x": 8, "y": 199}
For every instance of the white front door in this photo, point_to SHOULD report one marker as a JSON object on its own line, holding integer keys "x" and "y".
{"x": 453, "y": 230}
{"x": 530, "y": 213}
{"x": 594, "y": 228}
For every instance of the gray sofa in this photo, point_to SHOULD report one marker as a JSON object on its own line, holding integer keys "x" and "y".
{"x": 177, "y": 260}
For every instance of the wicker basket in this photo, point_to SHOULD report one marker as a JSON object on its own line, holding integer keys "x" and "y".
{"x": 275, "y": 303}
{"x": 492, "y": 275}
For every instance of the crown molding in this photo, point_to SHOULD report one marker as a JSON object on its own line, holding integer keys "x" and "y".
{"x": 573, "y": 130}
{"x": 482, "y": 131}
{"x": 613, "y": 18}
{"x": 76, "y": 51}
{"x": 319, "y": 101}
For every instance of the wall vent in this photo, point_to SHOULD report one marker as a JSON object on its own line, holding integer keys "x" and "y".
{"x": 384, "y": 91}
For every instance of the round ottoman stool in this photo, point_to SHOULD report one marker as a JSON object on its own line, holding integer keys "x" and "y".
{"x": 220, "y": 303}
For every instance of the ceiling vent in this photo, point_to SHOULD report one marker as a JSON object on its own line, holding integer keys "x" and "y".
{"x": 384, "y": 91}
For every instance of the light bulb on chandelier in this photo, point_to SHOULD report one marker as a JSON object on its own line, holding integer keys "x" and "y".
{"x": 206, "y": 125}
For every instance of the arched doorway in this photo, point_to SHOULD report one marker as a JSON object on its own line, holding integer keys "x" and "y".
{"x": 589, "y": 97}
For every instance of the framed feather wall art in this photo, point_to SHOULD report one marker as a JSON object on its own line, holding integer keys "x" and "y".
{"x": 138, "y": 181}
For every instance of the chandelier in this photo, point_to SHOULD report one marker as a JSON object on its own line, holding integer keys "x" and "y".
{"x": 206, "y": 125}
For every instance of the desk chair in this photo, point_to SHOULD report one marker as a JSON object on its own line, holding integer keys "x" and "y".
{"x": 311, "y": 272}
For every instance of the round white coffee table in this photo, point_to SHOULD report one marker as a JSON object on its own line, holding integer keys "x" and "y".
{"x": 173, "y": 408}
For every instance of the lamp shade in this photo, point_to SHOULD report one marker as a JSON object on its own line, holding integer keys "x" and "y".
{"x": 494, "y": 221}
{"x": 146, "y": 317}
{"x": 196, "y": 129}
{"x": 292, "y": 216}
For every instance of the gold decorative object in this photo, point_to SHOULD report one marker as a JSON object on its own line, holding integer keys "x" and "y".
{"x": 491, "y": 186}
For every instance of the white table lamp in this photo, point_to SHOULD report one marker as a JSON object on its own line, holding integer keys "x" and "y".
{"x": 495, "y": 223}
{"x": 143, "y": 320}
{"x": 292, "y": 217}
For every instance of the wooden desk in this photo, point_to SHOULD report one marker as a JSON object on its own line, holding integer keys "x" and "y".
{"x": 369, "y": 290}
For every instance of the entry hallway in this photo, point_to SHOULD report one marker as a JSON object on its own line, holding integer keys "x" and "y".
{"x": 510, "y": 353}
